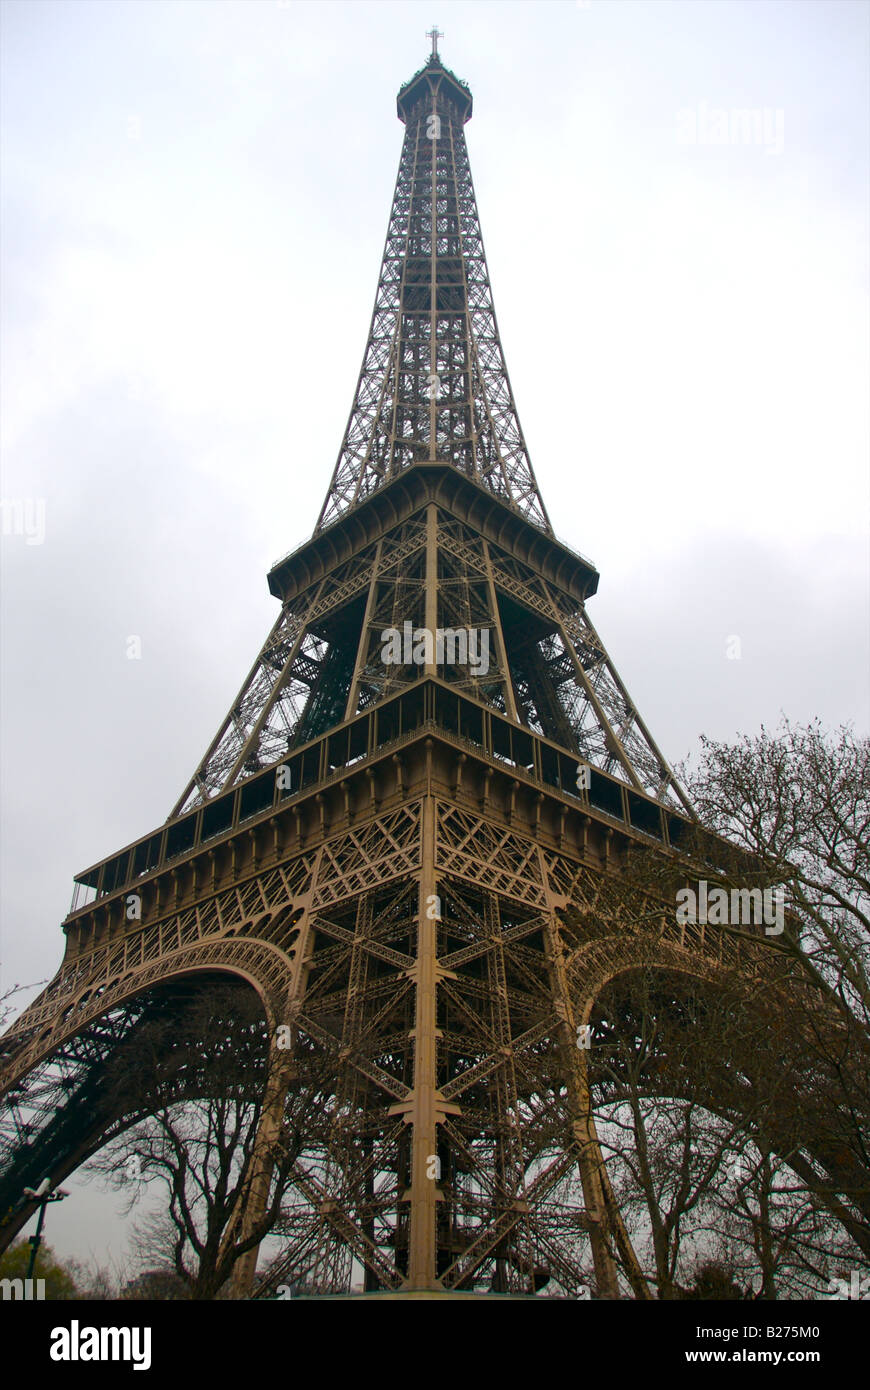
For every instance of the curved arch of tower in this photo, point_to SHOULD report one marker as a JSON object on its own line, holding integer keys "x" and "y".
{"x": 409, "y": 834}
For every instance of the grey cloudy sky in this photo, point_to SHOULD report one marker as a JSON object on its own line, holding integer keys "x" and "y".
{"x": 195, "y": 197}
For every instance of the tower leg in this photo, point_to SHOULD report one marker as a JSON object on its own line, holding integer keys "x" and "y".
{"x": 591, "y": 1164}
{"x": 608, "y": 1225}
{"x": 253, "y": 1204}
{"x": 606, "y": 1221}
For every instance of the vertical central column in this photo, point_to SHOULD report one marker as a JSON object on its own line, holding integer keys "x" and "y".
{"x": 431, "y": 581}
{"x": 424, "y": 1186}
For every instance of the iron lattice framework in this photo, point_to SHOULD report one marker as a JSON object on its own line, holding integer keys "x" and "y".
{"x": 433, "y": 389}
{"x": 433, "y": 383}
{"x": 398, "y": 855}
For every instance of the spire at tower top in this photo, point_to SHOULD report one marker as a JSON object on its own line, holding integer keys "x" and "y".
{"x": 434, "y": 34}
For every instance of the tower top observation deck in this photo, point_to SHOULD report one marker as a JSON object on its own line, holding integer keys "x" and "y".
{"x": 434, "y": 80}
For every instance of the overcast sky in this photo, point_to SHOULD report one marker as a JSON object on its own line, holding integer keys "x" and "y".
{"x": 195, "y": 197}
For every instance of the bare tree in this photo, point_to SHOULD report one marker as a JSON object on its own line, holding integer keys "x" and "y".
{"x": 772, "y": 1231}
{"x": 7, "y": 1008}
{"x": 662, "y": 1052}
{"x": 770, "y": 1070}
{"x": 205, "y": 1074}
{"x": 798, "y": 802}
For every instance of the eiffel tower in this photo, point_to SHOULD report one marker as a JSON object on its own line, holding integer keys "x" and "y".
{"x": 406, "y": 835}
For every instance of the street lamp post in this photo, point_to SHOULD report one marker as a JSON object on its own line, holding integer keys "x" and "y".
{"x": 43, "y": 1195}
